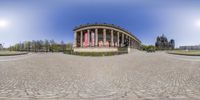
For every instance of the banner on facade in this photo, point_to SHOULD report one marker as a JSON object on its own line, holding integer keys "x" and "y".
{"x": 85, "y": 39}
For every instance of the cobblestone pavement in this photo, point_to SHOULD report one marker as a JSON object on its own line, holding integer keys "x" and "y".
{"x": 134, "y": 76}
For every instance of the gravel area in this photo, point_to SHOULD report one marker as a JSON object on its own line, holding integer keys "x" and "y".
{"x": 134, "y": 76}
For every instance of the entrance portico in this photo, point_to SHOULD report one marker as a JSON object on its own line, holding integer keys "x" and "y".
{"x": 103, "y": 36}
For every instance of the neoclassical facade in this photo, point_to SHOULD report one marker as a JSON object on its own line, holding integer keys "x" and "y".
{"x": 103, "y": 36}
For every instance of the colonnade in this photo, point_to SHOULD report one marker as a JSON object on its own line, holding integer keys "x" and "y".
{"x": 102, "y": 37}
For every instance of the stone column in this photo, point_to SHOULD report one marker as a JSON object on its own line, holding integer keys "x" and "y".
{"x": 81, "y": 38}
{"x": 96, "y": 34}
{"x": 104, "y": 36}
{"x": 129, "y": 40}
{"x": 134, "y": 44}
{"x": 118, "y": 39}
{"x": 112, "y": 44}
{"x": 88, "y": 31}
{"x": 122, "y": 40}
{"x": 125, "y": 37}
{"x": 75, "y": 33}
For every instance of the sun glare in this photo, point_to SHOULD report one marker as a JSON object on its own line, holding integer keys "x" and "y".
{"x": 198, "y": 23}
{"x": 3, "y": 23}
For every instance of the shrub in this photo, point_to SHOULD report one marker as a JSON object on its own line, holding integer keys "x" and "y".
{"x": 148, "y": 48}
{"x": 94, "y": 53}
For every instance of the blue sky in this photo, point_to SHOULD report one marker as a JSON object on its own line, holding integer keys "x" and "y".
{"x": 55, "y": 19}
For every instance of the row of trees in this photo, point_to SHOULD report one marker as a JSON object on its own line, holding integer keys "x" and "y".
{"x": 1, "y": 47}
{"x": 41, "y": 46}
{"x": 148, "y": 48}
{"x": 162, "y": 43}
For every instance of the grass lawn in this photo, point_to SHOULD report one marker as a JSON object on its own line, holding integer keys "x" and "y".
{"x": 184, "y": 52}
{"x": 11, "y": 53}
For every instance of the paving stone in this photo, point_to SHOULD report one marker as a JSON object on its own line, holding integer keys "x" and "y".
{"x": 134, "y": 76}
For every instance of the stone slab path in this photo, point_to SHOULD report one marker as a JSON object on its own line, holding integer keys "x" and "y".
{"x": 134, "y": 76}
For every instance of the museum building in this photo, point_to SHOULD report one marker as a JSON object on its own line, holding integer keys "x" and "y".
{"x": 103, "y": 38}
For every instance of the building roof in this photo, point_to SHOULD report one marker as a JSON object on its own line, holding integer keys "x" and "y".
{"x": 107, "y": 25}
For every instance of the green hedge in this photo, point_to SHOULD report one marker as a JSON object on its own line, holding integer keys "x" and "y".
{"x": 120, "y": 51}
{"x": 68, "y": 51}
{"x": 13, "y": 54}
{"x": 186, "y": 53}
{"x": 94, "y": 53}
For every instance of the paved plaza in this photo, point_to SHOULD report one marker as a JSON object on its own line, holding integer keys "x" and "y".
{"x": 134, "y": 76}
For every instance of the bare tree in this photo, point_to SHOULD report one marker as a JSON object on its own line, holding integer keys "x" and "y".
{"x": 39, "y": 46}
{"x": 63, "y": 46}
{"x": 47, "y": 45}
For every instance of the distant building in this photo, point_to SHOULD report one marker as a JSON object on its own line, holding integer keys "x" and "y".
{"x": 1, "y": 47}
{"x": 162, "y": 43}
{"x": 195, "y": 47}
